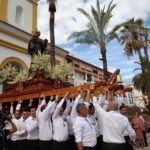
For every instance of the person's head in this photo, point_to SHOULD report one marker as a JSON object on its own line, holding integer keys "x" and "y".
{"x": 136, "y": 114}
{"x": 82, "y": 110}
{"x": 123, "y": 110}
{"x": 17, "y": 114}
{"x": 91, "y": 109}
{"x": 113, "y": 105}
{"x": 37, "y": 33}
{"x": 62, "y": 109}
{"x": 33, "y": 111}
{"x": 25, "y": 113}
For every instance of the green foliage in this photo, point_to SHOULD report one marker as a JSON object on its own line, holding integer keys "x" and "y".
{"x": 141, "y": 81}
{"x": 98, "y": 20}
{"x": 8, "y": 72}
{"x": 132, "y": 36}
{"x": 21, "y": 77}
{"x": 40, "y": 62}
{"x": 62, "y": 71}
{"x": 11, "y": 75}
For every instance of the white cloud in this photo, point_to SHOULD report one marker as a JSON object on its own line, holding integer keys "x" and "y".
{"x": 68, "y": 19}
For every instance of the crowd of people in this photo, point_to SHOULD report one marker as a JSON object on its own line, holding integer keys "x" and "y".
{"x": 86, "y": 122}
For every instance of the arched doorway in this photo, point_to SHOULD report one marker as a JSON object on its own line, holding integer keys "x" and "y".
{"x": 17, "y": 62}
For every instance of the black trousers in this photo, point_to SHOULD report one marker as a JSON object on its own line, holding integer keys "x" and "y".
{"x": 114, "y": 146}
{"x": 32, "y": 144}
{"x": 89, "y": 148}
{"x": 45, "y": 145}
{"x": 99, "y": 144}
{"x": 60, "y": 145}
{"x": 72, "y": 143}
{"x": 145, "y": 139}
{"x": 14, "y": 145}
{"x": 129, "y": 146}
{"x": 22, "y": 145}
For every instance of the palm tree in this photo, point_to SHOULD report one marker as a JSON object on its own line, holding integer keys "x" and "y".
{"x": 141, "y": 81}
{"x": 52, "y": 10}
{"x": 134, "y": 37}
{"x": 95, "y": 32}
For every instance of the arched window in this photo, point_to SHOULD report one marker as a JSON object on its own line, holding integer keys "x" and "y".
{"x": 19, "y": 15}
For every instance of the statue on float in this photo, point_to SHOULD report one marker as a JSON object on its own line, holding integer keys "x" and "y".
{"x": 37, "y": 45}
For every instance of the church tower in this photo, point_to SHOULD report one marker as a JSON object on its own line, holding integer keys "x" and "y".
{"x": 20, "y": 13}
{"x": 18, "y": 22}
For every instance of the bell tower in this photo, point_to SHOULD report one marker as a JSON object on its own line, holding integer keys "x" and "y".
{"x": 20, "y": 13}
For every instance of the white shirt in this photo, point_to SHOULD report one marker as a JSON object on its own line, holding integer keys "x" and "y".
{"x": 60, "y": 126}
{"x": 21, "y": 130}
{"x": 70, "y": 125}
{"x": 114, "y": 125}
{"x": 84, "y": 132}
{"x": 74, "y": 113}
{"x": 44, "y": 120}
{"x": 94, "y": 122}
{"x": 31, "y": 125}
{"x": 14, "y": 136}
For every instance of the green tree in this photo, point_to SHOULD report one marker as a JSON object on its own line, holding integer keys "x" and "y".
{"x": 52, "y": 10}
{"x": 141, "y": 81}
{"x": 134, "y": 37}
{"x": 95, "y": 32}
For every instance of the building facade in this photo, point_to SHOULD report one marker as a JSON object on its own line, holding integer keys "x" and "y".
{"x": 18, "y": 22}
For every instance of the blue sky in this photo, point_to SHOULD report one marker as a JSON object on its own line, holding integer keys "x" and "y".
{"x": 68, "y": 20}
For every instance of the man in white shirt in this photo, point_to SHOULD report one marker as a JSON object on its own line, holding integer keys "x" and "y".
{"x": 16, "y": 114}
{"x": 45, "y": 124}
{"x": 21, "y": 130}
{"x": 85, "y": 134}
{"x": 114, "y": 126}
{"x": 123, "y": 111}
{"x": 60, "y": 126}
{"x": 32, "y": 128}
{"x": 93, "y": 119}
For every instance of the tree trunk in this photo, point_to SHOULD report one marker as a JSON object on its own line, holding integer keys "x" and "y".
{"x": 104, "y": 59}
{"x": 146, "y": 48}
{"x": 52, "y": 10}
{"x": 141, "y": 60}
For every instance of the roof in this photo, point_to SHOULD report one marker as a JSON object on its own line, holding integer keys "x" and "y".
{"x": 70, "y": 56}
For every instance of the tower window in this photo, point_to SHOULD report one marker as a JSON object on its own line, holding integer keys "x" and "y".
{"x": 19, "y": 15}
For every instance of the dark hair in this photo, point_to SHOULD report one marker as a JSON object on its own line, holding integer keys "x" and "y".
{"x": 122, "y": 106}
{"x": 25, "y": 109}
{"x": 31, "y": 107}
{"x": 80, "y": 106}
{"x": 91, "y": 106}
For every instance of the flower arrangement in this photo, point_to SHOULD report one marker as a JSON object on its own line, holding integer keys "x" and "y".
{"x": 62, "y": 71}
{"x": 40, "y": 62}
{"x": 8, "y": 73}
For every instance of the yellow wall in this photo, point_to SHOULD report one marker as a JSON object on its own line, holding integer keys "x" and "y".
{"x": 34, "y": 15}
{"x": 3, "y": 10}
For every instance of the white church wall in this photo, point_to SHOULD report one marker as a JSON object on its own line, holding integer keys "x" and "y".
{"x": 13, "y": 40}
{"x": 26, "y": 16}
{"x": 7, "y": 52}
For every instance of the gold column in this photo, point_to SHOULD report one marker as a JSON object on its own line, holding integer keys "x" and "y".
{"x": 3, "y": 10}
{"x": 34, "y": 15}
{"x": 34, "y": 18}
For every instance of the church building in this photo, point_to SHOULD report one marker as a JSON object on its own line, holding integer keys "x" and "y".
{"x": 18, "y": 23}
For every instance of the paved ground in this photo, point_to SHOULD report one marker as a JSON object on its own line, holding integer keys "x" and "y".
{"x": 146, "y": 148}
